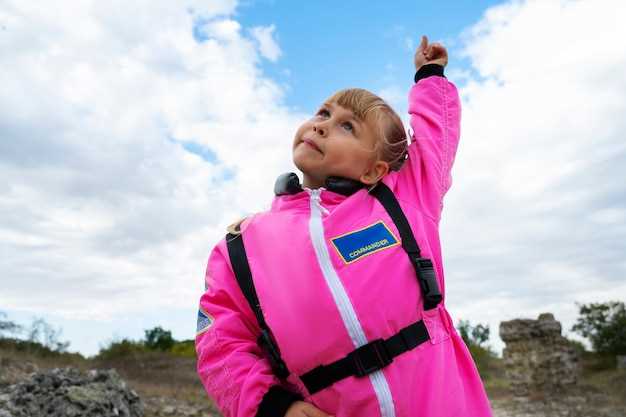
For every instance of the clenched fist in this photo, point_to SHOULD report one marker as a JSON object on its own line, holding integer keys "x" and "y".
{"x": 304, "y": 409}
{"x": 433, "y": 53}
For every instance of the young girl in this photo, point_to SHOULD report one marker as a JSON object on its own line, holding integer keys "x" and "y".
{"x": 360, "y": 328}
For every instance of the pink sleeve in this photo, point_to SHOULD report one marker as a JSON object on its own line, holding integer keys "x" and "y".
{"x": 233, "y": 369}
{"x": 435, "y": 116}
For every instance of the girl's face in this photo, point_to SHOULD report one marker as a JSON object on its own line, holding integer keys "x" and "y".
{"x": 334, "y": 142}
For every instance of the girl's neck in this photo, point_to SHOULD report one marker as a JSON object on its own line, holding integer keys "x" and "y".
{"x": 311, "y": 183}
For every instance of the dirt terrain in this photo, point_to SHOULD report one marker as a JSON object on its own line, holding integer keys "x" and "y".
{"x": 168, "y": 386}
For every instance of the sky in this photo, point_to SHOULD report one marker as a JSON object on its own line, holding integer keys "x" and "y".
{"x": 133, "y": 133}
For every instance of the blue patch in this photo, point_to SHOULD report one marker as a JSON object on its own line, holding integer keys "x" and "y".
{"x": 204, "y": 321}
{"x": 354, "y": 245}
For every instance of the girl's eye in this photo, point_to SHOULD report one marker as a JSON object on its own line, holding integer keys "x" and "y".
{"x": 327, "y": 113}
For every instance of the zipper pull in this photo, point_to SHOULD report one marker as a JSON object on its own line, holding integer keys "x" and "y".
{"x": 315, "y": 195}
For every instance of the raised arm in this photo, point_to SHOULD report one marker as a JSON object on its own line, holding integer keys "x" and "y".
{"x": 232, "y": 367}
{"x": 435, "y": 115}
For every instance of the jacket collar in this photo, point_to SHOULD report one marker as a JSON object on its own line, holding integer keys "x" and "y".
{"x": 289, "y": 183}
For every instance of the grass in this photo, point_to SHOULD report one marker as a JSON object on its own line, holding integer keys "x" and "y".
{"x": 154, "y": 374}
{"x": 159, "y": 374}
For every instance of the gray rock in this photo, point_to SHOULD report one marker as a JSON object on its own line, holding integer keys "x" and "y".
{"x": 68, "y": 392}
{"x": 536, "y": 357}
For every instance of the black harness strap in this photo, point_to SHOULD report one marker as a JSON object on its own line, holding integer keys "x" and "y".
{"x": 371, "y": 356}
{"x": 423, "y": 266}
{"x": 241, "y": 267}
{"x": 366, "y": 359}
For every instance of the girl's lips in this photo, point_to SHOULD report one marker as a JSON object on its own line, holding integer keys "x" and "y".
{"x": 311, "y": 144}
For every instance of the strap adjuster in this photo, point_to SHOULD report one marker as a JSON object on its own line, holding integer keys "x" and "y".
{"x": 367, "y": 358}
{"x": 428, "y": 281}
{"x": 370, "y": 357}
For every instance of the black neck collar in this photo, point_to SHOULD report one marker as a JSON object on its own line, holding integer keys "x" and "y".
{"x": 289, "y": 183}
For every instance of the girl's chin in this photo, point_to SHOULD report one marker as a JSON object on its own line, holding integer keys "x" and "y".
{"x": 305, "y": 149}
{"x": 310, "y": 173}
{"x": 306, "y": 163}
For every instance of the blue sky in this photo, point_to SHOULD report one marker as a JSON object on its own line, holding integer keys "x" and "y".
{"x": 328, "y": 46}
{"x": 155, "y": 128}
{"x": 324, "y": 47}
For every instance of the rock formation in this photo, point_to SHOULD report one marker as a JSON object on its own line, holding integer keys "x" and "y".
{"x": 537, "y": 357}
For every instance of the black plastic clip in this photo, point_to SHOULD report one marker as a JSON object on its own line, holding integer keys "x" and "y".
{"x": 370, "y": 357}
{"x": 428, "y": 281}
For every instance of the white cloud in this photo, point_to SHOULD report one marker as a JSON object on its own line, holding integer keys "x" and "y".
{"x": 103, "y": 211}
{"x": 267, "y": 45}
{"x": 226, "y": 30}
{"x": 533, "y": 220}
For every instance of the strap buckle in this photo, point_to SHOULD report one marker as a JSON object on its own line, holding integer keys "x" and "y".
{"x": 370, "y": 357}
{"x": 428, "y": 281}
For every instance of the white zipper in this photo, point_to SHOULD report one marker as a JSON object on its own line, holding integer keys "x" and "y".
{"x": 315, "y": 193}
{"x": 350, "y": 320}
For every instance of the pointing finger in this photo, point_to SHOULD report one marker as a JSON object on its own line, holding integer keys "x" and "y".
{"x": 423, "y": 43}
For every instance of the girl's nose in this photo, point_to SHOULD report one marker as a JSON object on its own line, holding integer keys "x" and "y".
{"x": 318, "y": 130}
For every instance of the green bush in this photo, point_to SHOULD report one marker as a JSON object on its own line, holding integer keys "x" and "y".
{"x": 604, "y": 324}
{"x": 36, "y": 349}
{"x": 121, "y": 349}
{"x": 598, "y": 362}
{"x": 578, "y": 346}
{"x": 43, "y": 333}
{"x": 40, "y": 337}
{"x": 156, "y": 339}
{"x": 159, "y": 339}
{"x": 475, "y": 337}
{"x": 486, "y": 361}
{"x": 185, "y": 348}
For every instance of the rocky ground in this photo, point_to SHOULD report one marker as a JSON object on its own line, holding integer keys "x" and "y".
{"x": 577, "y": 402}
{"x": 26, "y": 390}
{"x": 68, "y": 392}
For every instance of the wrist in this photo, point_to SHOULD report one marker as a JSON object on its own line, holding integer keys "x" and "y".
{"x": 428, "y": 70}
{"x": 277, "y": 401}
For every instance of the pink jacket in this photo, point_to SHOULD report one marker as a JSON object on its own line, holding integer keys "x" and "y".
{"x": 321, "y": 306}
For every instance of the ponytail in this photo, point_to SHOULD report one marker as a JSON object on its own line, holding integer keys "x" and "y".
{"x": 235, "y": 228}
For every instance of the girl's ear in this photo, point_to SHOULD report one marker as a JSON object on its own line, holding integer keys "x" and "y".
{"x": 378, "y": 170}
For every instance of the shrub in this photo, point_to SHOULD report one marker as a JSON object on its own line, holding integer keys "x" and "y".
{"x": 578, "y": 346}
{"x": 43, "y": 333}
{"x": 604, "y": 324}
{"x": 475, "y": 337}
{"x": 185, "y": 348}
{"x": 159, "y": 339}
{"x": 121, "y": 349}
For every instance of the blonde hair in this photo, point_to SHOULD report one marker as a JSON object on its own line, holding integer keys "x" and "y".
{"x": 391, "y": 145}
{"x": 235, "y": 228}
